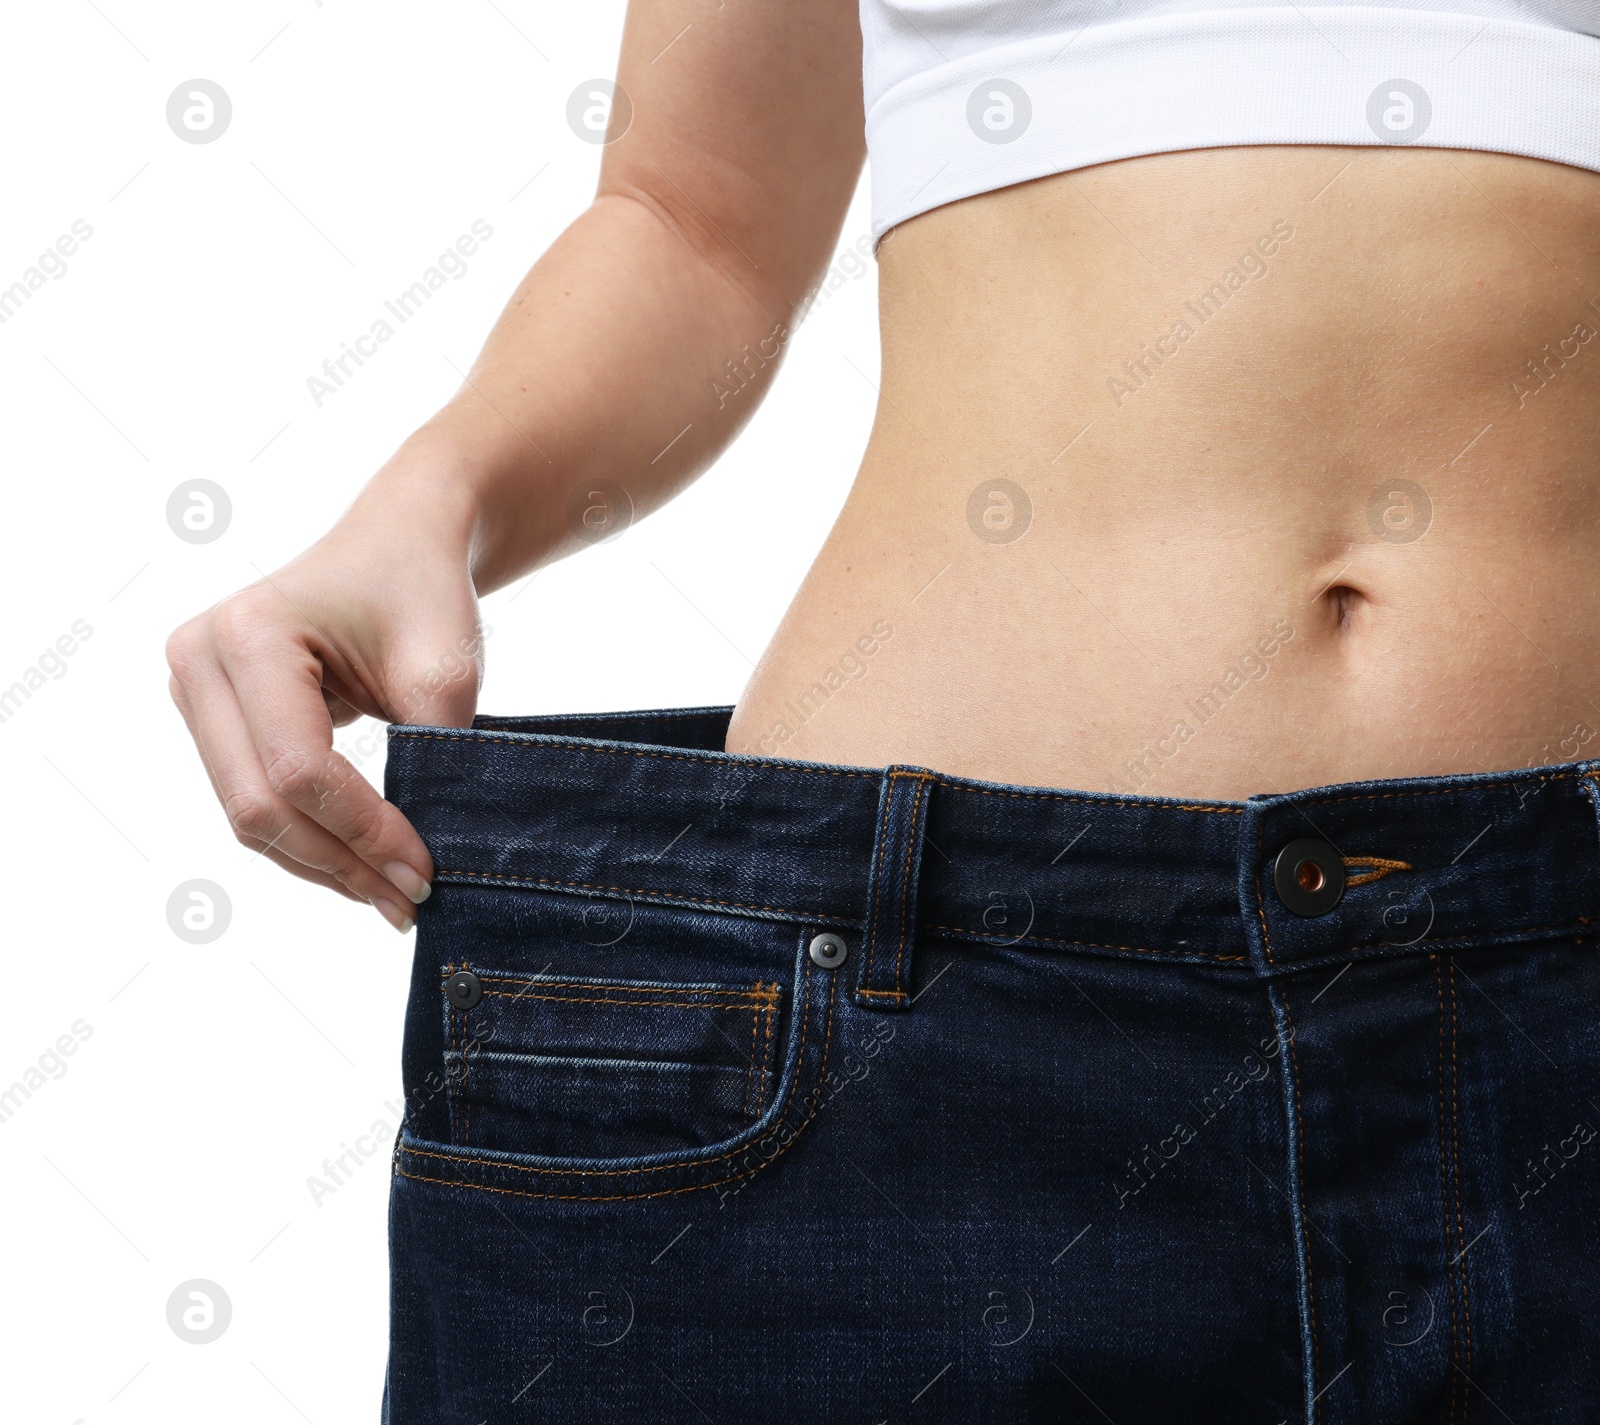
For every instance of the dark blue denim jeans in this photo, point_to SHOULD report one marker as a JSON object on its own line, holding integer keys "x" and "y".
{"x": 750, "y": 1090}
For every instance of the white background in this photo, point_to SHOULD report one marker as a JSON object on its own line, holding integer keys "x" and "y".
{"x": 365, "y": 138}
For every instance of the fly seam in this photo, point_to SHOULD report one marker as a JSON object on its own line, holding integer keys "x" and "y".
{"x": 1455, "y": 1103}
{"x": 1305, "y": 1236}
{"x": 1444, "y": 1195}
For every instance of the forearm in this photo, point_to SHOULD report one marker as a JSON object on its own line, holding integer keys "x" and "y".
{"x": 624, "y": 356}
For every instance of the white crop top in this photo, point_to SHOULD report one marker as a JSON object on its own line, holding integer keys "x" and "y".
{"x": 964, "y": 96}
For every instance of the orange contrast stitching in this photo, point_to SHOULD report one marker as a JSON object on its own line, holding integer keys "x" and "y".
{"x": 805, "y": 1024}
{"x": 1444, "y": 1198}
{"x": 1381, "y": 866}
{"x": 622, "y": 1003}
{"x": 1083, "y": 944}
{"x": 665, "y": 1192}
{"x": 766, "y": 1058}
{"x": 1224, "y": 810}
{"x": 1455, "y": 1115}
{"x": 827, "y": 919}
{"x": 635, "y": 891}
{"x": 755, "y": 1025}
{"x": 725, "y": 759}
{"x": 1455, "y": 942}
{"x": 736, "y": 759}
{"x": 1305, "y": 1236}
{"x": 1442, "y": 791}
{"x": 761, "y": 993}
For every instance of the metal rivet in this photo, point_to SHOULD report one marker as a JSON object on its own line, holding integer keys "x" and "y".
{"x": 828, "y": 950}
{"x": 464, "y": 988}
{"x": 1309, "y": 876}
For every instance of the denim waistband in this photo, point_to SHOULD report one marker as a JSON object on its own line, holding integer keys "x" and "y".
{"x": 646, "y": 807}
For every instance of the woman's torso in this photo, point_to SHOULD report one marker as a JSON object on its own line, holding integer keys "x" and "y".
{"x": 1219, "y": 472}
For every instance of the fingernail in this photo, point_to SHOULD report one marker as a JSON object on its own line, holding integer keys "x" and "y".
{"x": 400, "y": 919}
{"x": 408, "y": 881}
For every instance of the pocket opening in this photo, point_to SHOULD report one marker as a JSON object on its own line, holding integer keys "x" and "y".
{"x": 800, "y": 1045}
{"x": 593, "y": 1067}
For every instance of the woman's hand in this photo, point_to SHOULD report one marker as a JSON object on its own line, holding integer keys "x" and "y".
{"x": 719, "y": 203}
{"x": 378, "y": 618}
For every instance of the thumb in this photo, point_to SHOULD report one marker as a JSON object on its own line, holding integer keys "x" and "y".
{"x": 437, "y": 688}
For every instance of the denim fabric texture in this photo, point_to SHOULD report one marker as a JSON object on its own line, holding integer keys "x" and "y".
{"x": 1087, "y": 1124}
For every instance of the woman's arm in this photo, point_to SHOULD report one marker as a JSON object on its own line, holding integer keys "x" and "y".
{"x": 716, "y": 210}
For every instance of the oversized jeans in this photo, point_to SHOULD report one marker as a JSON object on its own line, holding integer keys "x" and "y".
{"x": 752, "y": 1091}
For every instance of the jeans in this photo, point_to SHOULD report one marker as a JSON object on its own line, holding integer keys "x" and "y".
{"x": 750, "y": 1090}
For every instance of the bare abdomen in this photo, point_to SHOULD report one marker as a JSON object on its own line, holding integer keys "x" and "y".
{"x": 1216, "y": 473}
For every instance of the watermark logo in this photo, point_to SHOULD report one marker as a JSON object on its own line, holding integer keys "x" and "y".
{"x": 1002, "y": 913}
{"x": 1138, "y": 371}
{"x": 198, "y": 1311}
{"x": 51, "y": 263}
{"x": 341, "y": 1168}
{"x": 606, "y": 1316}
{"x": 199, "y": 111}
{"x": 199, "y": 912}
{"x": 1399, "y": 512}
{"x": 199, "y": 511}
{"x": 999, "y": 512}
{"x": 999, "y": 111}
{"x": 50, "y": 664}
{"x": 450, "y": 266}
{"x": 1006, "y": 1313}
{"x": 1407, "y": 1316}
{"x": 1537, "y": 374}
{"x": 1399, "y": 111}
{"x": 854, "y": 261}
{"x": 1542, "y": 1173}
{"x": 748, "y": 369}
{"x": 599, "y": 111}
{"x": 605, "y": 922}
{"x": 52, "y": 1064}
{"x": 850, "y": 666}
{"x": 599, "y": 511}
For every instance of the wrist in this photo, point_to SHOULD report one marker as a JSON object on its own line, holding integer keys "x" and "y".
{"x": 480, "y": 485}
{"x": 432, "y": 485}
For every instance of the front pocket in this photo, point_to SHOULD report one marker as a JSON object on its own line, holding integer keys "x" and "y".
{"x": 803, "y": 1028}
{"x": 605, "y": 1068}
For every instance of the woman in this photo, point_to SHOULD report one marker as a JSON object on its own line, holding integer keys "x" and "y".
{"x": 1236, "y": 438}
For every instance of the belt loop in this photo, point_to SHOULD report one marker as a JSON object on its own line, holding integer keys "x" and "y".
{"x": 884, "y": 978}
{"x": 1589, "y": 781}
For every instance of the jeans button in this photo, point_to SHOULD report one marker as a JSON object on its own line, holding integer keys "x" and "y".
{"x": 464, "y": 989}
{"x": 827, "y": 950}
{"x": 1309, "y": 876}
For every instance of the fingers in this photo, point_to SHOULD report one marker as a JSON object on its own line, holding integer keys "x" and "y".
{"x": 277, "y": 682}
{"x": 263, "y": 822}
{"x": 261, "y": 817}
